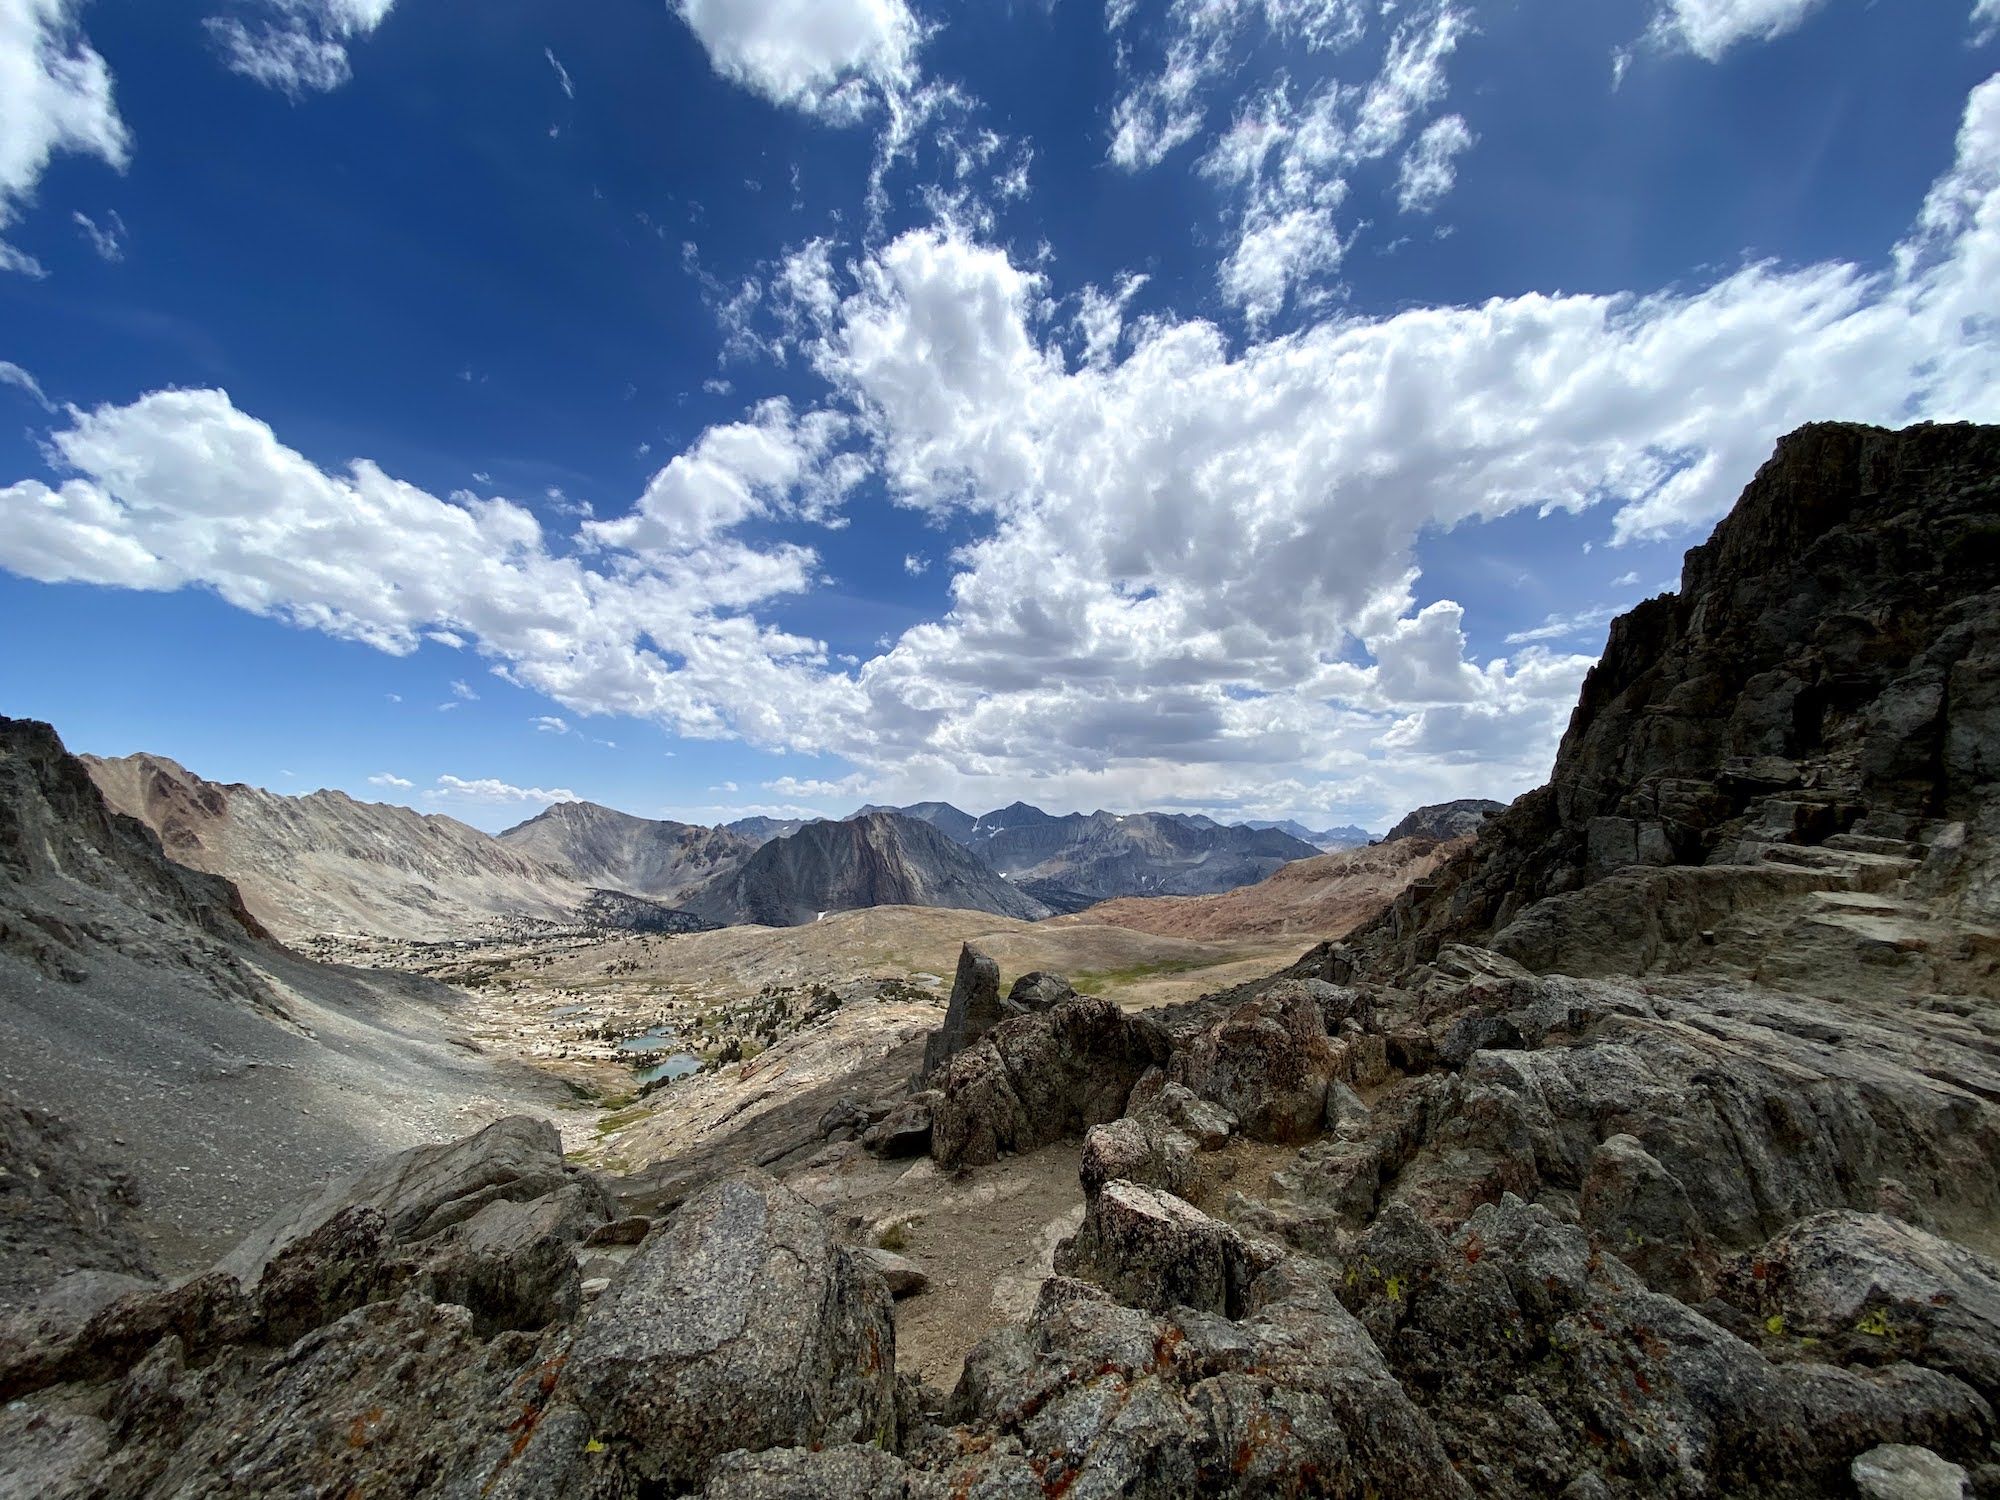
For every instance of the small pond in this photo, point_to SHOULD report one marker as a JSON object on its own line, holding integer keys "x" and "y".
{"x": 680, "y": 1065}
{"x": 659, "y": 1039}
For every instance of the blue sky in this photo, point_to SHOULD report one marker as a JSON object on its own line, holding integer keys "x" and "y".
{"x": 1254, "y": 406}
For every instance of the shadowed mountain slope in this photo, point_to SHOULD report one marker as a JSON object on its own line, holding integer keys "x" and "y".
{"x": 881, "y": 859}
{"x": 142, "y": 1004}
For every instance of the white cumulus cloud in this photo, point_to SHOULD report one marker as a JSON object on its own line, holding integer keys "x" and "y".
{"x": 55, "y": 97}
{"x": 1709, "y": 28}
{"x": 180, "y": 489}
{"x": 390, "y": 779}
{"x": 1189, "y": 571}
{"x": 827, "y": 57}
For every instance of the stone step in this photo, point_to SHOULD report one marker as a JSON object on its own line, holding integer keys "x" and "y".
{"x": 1862, "y": 901}
{"x": 1867, "y": 872}
{"x": 1868, "y": 843}
{"x": 1876, "y": 937}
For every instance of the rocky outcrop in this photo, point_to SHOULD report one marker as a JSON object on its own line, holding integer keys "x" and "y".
{"x": 1824, "y": 680}
{"x": 1093, "y": 1397}
{"x": 1039, "y": 1078}
{"x": 1538, "y": 1361}
{"x": 976, "y": 1005}
{"x": 882, "y": 859}
{"x": 973, "y": 1009}
{"x": 377, "y": 1341}
{"x": 1879, "y": 1289}
{"x": 1442, "y": 822}
{"x": 1149, "y": 1248}
{"x": 741, "y": 1325}
{"x": 1270, "y": 1062}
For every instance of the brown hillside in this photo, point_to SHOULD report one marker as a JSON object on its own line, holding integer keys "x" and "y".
{"x": 1325, "y": 897}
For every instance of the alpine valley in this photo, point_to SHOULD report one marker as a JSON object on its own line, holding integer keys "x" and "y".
{"x": 1641, "y": 1137}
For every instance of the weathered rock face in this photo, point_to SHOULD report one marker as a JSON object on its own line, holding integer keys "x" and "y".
{"x": 1039, "y": 1078}
{"x": 1151, "y": 1249}
{"x": 399, "y": 1336}
{"x": 1270, "y": 1063}
{"x": 1539, "y": 1361}
{"x": 740, "y": 1325}
{"x": 1881, "y": 1289}
{"x": 973, "y": 1010}
{"x": 1445, "y": 820}
{"x": 1830, "y": 668}
{"x": 976, "y": 1005}
{"x": 1095, "y": 1398}
{"x": 394, "y": 1336}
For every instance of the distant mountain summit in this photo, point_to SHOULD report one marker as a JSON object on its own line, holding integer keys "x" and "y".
{"x": 759, "y": 830}
{"x": 1445, "y": 820}
{"x": 875, "y": 859}
{"x": 1012, "y": 818}
{"x": 948, "y": 820}
{"x": 1328, "y": 839}
{"x": 650, "y": 857}
{"x": 1101, "y": 855}
{"x": 1071, "y": 860}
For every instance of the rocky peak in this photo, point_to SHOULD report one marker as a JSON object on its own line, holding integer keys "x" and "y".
{"x": 1442, "y": 821}
{"x": 1828, "y": 675}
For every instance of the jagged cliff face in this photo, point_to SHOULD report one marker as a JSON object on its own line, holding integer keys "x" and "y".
{"x": 1829, "y": 670}
{"x": 882, "y": 859}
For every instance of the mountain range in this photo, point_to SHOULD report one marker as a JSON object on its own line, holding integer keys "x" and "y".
{"x": 326, "y": 863}
{"x": 1329, "y": 840}
{"x": 1077, "y": 859}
